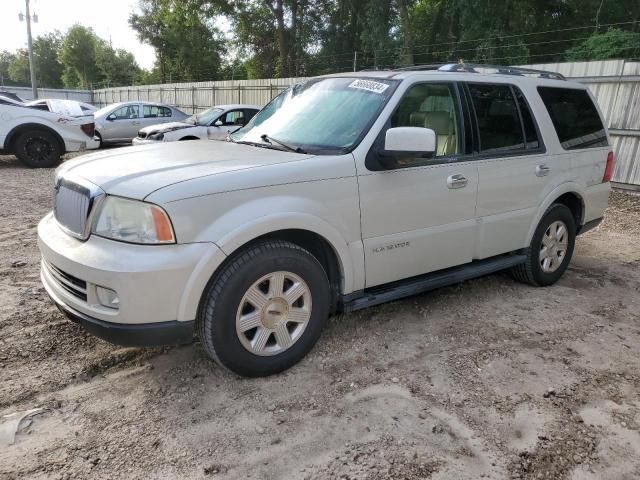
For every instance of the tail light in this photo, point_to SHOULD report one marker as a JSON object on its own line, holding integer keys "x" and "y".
{"x": 89, "y": 129}
{"x": 608, "y": 170}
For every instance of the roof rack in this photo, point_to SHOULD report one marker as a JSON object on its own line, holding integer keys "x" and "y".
{"x": 471, "y": 68}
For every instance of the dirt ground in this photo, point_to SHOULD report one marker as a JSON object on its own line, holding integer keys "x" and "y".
{"x": 487, "y": 379}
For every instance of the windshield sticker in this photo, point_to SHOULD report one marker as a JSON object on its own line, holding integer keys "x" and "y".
{"x": 369, "y": 85}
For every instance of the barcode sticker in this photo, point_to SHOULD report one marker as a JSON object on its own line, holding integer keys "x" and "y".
{"x": 369, "y": 85}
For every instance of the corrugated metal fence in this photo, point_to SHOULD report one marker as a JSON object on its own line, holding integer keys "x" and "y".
{"x": 198, "y": 96}
{"x": 616, "y": 86}
{"x": 25, "y": 93}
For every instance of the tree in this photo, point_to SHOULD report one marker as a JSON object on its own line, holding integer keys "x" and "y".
{"x": 46, "y": 50}
{"x": 18, "y": 69}
{"x": 614, "y": 43}
{"x": 187, "y": 44}
{"x": 78, "y": 56}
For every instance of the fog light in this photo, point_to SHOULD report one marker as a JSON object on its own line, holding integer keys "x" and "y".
{"x": 107, "y": 297}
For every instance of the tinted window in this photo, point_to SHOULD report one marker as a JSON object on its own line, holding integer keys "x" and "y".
{"x": 153, "y": 111}
{"x": 498, "y": 120}
{"x": 430, "y": 105}
{"x": 575, "y": 117}
{"x": 529, "y": 125}
{"x": 234, "y": 117}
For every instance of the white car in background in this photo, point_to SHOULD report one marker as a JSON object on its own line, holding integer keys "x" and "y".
{"x": 212, "y": 124}
{"x": 120, "y": 122}
{"x": 39, "y": 137}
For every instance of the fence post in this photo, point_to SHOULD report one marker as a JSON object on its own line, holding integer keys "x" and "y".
{"x": 239, "y": 93}
{"x": 175, "y": 95}
{"x": 193, "y": 99}
{"x": 213, "y": 87}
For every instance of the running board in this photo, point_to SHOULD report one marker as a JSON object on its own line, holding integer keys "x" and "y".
{"x": 430, "y": 281}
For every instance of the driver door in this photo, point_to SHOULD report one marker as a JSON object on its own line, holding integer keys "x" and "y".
{"x": 227, "y": 123}
{"x": 123, "y": 123}
{"x": 418, "y": 215}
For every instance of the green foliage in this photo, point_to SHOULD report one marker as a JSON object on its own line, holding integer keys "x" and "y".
{"x": 188, "y": 46}
{"x": 614, "y": 43}
{"x": 18, "y": 69}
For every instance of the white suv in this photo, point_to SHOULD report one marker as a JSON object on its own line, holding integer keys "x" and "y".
{"x": 362, "y": 188}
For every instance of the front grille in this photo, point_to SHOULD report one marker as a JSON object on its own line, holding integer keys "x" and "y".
{"x": 71, "y": 207}
{"x": 69, "y": 283}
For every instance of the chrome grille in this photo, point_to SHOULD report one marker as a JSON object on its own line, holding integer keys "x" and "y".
{"x": 69, "y": 283}
{"x": 71, "y": 208}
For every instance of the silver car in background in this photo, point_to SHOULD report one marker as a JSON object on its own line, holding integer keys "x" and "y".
{"x": 120, "y": 122}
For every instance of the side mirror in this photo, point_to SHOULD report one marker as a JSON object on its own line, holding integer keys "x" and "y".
{"x": 111, "y": 117}
{"x": 416, "y": 141}
{"x": 218, "y": 123}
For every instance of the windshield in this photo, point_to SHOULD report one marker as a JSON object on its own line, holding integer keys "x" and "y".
{"x": 322, "y": 116}
{"x": 205, "y": 118}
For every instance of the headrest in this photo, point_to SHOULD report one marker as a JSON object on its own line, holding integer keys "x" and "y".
{"x": 438, "y": 122}
{"x": 417, "y": 119}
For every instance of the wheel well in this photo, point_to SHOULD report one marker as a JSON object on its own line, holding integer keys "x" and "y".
{"x": 20, "y": 129}
{"x": 574, "y": 203}
{"x": 321, "y": 249}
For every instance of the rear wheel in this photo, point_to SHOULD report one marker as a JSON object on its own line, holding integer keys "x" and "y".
{"x": 99, "y": 137}
{"x": 38, "y": 149}
{"x": 551, "y": 248}
{"x": 265, "y": 310}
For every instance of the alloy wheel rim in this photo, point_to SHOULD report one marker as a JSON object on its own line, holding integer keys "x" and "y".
{"x": 38, "y": 149}
{"x": 273, "y": 313}
{"x": 553, "y": 248}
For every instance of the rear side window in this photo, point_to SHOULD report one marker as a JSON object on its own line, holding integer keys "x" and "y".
{"x": 153, "y": 111}
{"x": 498, "y": 118}
{"x": 574, "y": 117}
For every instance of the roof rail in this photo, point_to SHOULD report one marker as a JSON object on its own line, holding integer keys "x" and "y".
{"x": 501, "y": 69}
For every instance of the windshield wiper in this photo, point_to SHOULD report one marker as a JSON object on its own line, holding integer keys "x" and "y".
{"x": 268, "y": 139}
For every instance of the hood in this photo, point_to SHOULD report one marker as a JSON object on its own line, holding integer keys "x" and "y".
{"x": 166, "y": 127}
{"x": 136, "y": 172}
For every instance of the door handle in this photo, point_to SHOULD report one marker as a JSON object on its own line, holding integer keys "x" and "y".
{"x": 542, "y": 170}
{"x": 457, "y": 181}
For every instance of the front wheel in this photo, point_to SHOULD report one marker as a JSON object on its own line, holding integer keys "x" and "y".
{"x": 265, "y": 310}
{"x": 551, "y": 248}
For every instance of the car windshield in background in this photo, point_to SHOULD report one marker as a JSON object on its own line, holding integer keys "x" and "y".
{"x": 205, "y": 118}
{"x": 324, "y": 116}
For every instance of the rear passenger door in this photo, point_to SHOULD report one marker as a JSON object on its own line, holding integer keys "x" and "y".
{"x": 514, "y": 173}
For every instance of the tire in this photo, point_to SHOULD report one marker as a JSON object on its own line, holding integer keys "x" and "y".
{"x": 252, "y": 347}
{"x": 38, "y": 148}
{"x": 99, "y": 137}
{"x": 545, "y": 268}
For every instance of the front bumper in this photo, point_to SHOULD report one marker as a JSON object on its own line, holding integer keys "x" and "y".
{"x": 144, "y": 141}
{"x": 139, "y": 335}
{"x": 156, "y": 285}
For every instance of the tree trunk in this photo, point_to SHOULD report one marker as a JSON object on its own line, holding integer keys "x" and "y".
{"x": 407, "y": 32}
{"x": 277, "y": 9}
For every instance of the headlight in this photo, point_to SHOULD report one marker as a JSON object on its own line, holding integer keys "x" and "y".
{"x": 133, "y": 221}
{"x": 156, "y": 136}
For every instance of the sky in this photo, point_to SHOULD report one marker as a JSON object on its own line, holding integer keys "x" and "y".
{"x": 108, "y": 18}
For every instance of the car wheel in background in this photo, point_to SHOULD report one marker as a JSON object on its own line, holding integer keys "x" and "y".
{"x": 551, "y": 248}
{"x": 99, "y": 137}
{"x": 38, "y": 148}
{"x": 265, "y": 309}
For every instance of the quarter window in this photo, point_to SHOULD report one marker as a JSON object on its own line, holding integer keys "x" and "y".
{"x": 499, "y": 123}
{"x": 575, "y": 117}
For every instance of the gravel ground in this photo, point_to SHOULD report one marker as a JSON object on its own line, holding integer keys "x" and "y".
{"x": 486, "y": 379}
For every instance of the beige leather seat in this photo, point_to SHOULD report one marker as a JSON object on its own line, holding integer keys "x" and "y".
{"x": 442, "y": 124}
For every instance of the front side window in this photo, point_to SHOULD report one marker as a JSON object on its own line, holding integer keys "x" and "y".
{"x": 125, "y": 113}
{"x": 498, "y": 119}
{"x": 575, "y": 117}
{"x": 233, "y": 118}
{"x": 431, "y": 105}
{"x": 326, "y": 115}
